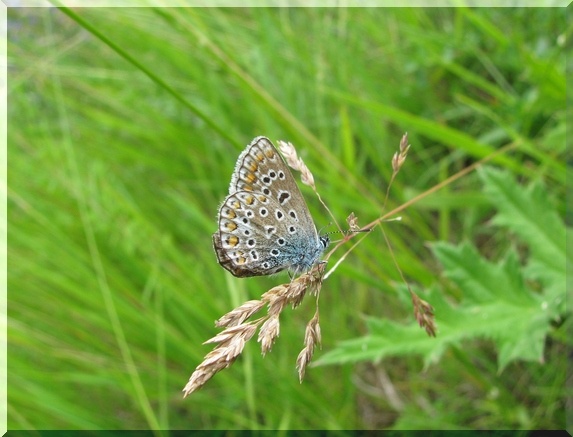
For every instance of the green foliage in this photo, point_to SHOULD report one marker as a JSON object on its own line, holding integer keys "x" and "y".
{"x": 531, "y": 216}
{"x": 497, "y": 300}
{"x": 124, "y": 126}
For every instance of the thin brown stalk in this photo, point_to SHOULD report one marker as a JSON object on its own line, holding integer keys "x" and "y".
{"x": 423, "y": 311}
{"x": 439, "y": 186}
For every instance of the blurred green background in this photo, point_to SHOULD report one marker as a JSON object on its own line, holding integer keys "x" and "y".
{"x": 124, "y": 128}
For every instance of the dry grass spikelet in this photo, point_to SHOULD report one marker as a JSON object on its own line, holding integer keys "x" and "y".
{"x": 424, "y": 313}
{"x": 316, "y": 278}
{"x": 269, "y": 333}
{"x": 276, "y": 299}
{"x": 295, "y": 293}
{"x": 240, "y": 314}
{"x": 352, "y": 221}
{"x": 231, "y": 344}
{"x": 312, "y": 337}
{"x": 296, "y": 163}
{"x": 238, "y": 331}
{"x": 400, "y": 157}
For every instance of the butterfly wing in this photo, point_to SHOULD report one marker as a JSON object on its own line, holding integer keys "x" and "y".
{"x": 261, "y": 169}
{"x": 264, "y": 223}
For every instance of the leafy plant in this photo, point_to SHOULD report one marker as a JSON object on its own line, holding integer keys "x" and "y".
{"x": 511, "y": 304}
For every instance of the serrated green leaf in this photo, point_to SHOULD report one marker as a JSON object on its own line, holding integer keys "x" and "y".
{"x": 496, "y": 297}
{"x": 496, "y": 305}
{"x": 480, "y": 280}
{"x": 529, "y": 214}
{"x": 387, "y": 338}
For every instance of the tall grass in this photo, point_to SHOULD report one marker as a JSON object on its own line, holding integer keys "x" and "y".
{"x": 124, "y": 127}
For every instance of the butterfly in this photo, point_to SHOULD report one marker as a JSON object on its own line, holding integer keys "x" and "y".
{"x": 264, "y": 225}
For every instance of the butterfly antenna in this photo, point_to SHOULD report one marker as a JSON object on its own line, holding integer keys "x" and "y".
{"x": 350, "y": 231}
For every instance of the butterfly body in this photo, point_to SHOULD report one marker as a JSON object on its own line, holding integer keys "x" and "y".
{"x": 264, "y": 225}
